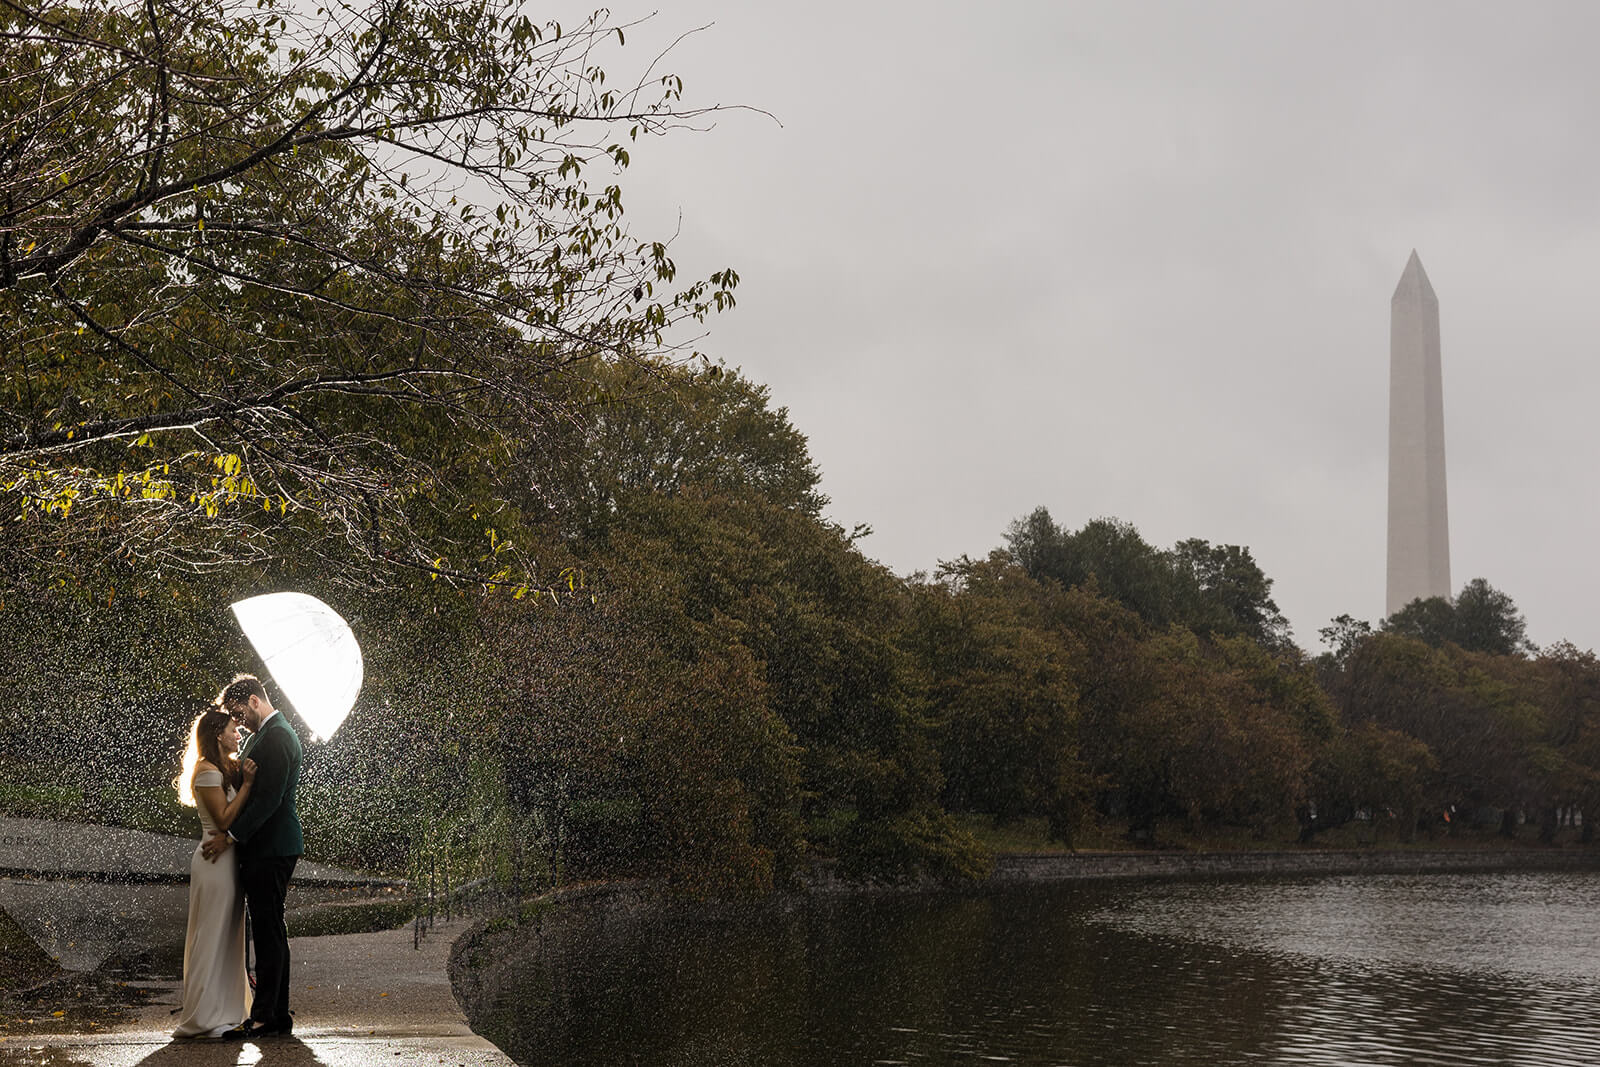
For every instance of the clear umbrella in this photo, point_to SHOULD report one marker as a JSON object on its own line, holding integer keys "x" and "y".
{"x": 310, "y": 653}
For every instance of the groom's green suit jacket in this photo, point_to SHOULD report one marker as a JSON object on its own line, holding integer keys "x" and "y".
{"x": 269, "y": 825}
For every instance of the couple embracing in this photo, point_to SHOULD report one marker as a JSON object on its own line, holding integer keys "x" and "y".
{"x": 249, "y": 846}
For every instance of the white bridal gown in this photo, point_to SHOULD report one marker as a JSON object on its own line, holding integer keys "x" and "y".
{"x": 216, "y": 996}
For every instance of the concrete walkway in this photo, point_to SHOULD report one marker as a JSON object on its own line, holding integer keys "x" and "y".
{"x": 359, "y": 1000}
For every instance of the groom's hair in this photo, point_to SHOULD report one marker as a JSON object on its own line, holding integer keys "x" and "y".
{"x": 237, "y": 693}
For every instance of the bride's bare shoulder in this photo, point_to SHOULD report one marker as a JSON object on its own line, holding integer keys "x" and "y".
{"x": 204, "y": 765}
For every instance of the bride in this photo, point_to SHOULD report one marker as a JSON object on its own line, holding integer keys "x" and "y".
{"x": 216, "y": 996}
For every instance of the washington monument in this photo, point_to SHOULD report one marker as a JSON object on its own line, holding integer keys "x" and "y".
{"x": 1419, "y": 533}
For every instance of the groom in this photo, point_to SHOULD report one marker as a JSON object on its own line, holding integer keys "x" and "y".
{"x": 267, "y": 832}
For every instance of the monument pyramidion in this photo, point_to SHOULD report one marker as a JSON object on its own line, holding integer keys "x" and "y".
{"x": 1419, "y": 533}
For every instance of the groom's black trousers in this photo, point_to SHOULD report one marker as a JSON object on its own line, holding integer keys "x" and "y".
{"x": 265, "y": 881}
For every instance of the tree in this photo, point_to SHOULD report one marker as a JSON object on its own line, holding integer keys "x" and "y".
{"x": 687, "y": 486}
{"x": 1556, "y": 768}
{"x": 1568, "y": 683}
{"x": 1108, "y": 552}
{"x": 1479, "y": 721}
{"x": 1431, "y": 621}
{"x": 823, "y": 624}
{"x": 1116, "y": 686}
{"x": 1211, "y": 589}
{"x": 1342, "y": 634}
{"x": 1232, "y": 731}
{"x": 1369, "y": 769}
{"x": 638, "y": 738}
{"x": 1001, "y": 692}
{"x": 1232, "y": 594}
{"x": 1487, "y": 620}
{"x": 1481, "y": 619}
{"x": 641, "y": 428}
{"x": 243, "y": 287}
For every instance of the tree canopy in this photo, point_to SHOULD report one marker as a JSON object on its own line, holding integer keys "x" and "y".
{"x": 267, "y": 275}
{"x": 1480, "y": 619}
{"x": 641, "y": 428}
{"x": 1211, "y": 588}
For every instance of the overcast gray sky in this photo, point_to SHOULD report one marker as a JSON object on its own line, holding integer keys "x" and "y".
{"x": 1134, "y": 259}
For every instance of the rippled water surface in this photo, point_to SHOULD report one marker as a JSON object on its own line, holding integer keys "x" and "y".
{"x": 1441, "y": 969}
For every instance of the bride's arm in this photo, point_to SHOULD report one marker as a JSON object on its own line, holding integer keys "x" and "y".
{"x": 224, "y": 811}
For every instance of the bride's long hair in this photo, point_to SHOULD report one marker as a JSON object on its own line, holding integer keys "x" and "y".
{"x": 205, "y": 742}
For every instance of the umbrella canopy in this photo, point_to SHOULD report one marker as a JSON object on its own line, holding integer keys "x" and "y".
{"x": 310, "y": 653}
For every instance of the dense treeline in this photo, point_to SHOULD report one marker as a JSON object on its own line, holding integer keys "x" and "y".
{"x": 729, "y": 690}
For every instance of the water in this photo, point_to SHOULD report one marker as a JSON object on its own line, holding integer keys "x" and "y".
{"x": 1438, "y": 970}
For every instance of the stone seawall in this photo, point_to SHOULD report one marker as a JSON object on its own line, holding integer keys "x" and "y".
{"x": 504, "y": 972}
{"x": 1015, "y": 868}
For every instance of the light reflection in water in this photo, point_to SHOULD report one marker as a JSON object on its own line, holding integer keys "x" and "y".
{"x": 1442, "y": 969}
{"x": 1449, "y": 969}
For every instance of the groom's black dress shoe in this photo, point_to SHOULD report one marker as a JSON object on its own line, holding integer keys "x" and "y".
{"x": 251, "y": 1030}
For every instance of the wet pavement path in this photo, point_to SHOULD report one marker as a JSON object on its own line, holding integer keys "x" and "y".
{"x": 358, "y": 999}
{"x": 87, "y": 893}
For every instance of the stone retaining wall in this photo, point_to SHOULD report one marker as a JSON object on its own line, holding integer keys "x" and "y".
{"x": 1086, "y": 866}
{"x": 41, "y": 849}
